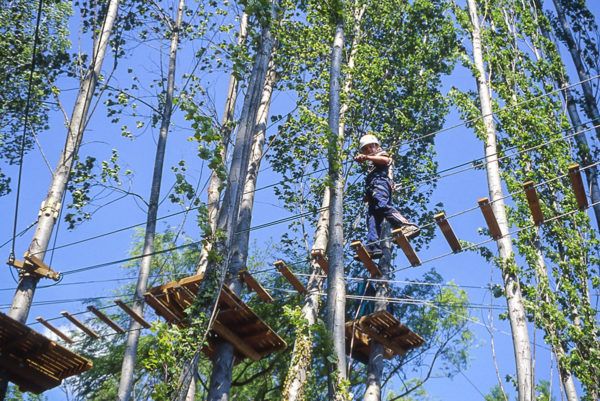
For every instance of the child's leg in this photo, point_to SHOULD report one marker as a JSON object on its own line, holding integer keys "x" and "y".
{"x": 374, "y": 220}
{"x": 382, "y": 202}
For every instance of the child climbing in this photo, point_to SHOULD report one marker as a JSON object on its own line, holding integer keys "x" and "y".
{"x": 379, "y": 185}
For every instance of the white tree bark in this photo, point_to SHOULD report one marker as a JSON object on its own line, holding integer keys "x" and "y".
{"x": 220, "y": 382}
{"x": 133, "y": 335}
{"x": 516, "y": 309}
{"x": 591, "y": 108}
{"x": 375, "y": 366}
{"x": 336, "y": 288}
{"x": 214, "y": 186}
{"x": 229, "y": 210}
{"x": 23, "y": 297}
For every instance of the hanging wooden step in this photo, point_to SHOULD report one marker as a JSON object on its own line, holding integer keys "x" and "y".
{"x": 408, "y": 250}
{"x": 255, "y": 285}
{"x": 106, "y": 319}
{"x": 55, "y": 330}
{"x": 235, "y": 322}
{"x": 577, "y": 185}
{"x": 383, "y": 328}
{"x": 33, "y": 362}
{"x": 490, "y": 218}
{"x": 35, "y": 266}
{"x": 91, "y": 333}
{"x": 534, "y": 202}
{"x": 287, "y": 273}
{"x": 132, "y": 314}
{"x": 444, "y": 225}
{"x": 318, "y": 256}
{"x": 365, "y": 258}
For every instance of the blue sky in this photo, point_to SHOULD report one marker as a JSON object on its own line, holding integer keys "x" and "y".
{"x": 458, "y": 192}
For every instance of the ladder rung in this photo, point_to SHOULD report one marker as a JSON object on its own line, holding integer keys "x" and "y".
{"x": 106, "y": 319}
{"x": 490, "y": 218}
{"x": 287, "y": 273}
{"x": 577, "y": 185}
{"x": 91, "y": 333}
{"x": 132, "y": 313}
{"x": 365, "y": 258}
{"x": 534, "y": 203}
{"x": 255, "y": 285}
{"x": 408, "y": 250}
{"x": 54, "y": 330}
{"x": 446, "y": 229}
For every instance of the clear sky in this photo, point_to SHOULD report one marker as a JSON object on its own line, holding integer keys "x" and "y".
{"x": 458, "y": 192}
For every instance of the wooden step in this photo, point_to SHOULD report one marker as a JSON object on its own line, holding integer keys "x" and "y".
{"x": 490, "y": 218}
{"x": 287, "y": 273}
{"x": 444, "y": 225}
{"x": 255, "y": 285}
{"x": 408, "y": 250}
{"x": 365, "y": 258}
{"x": 534, "y": 203}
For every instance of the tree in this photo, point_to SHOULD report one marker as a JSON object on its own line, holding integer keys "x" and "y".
{"x": 17, "y": 31}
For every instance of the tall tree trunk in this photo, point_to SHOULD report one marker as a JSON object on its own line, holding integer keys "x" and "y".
{"x": 514, "y": 299}
{"x": 214, "y": 186}
{"x": 375, "y": 366}
{"x": 49, "y": 211}
{"x": 302, "y": 353}
{"x": 220, "y": 381}
{"x": 336, "y": 290}
{"x": 591, "y": 108}
{"x": 229, "y": 210}
{"x": 544, "y": 288}
{"x": 133, "y": 335}
{"x": 583, "y": 148}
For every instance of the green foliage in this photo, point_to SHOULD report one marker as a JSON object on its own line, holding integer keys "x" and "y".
{"x": 14, "y": 394}
{"x": 17, "y": 27}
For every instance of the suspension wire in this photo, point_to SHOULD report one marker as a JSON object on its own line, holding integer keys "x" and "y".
{"x": 408, "y": 300}
{"x": 194, "y": 243}
{"x": 11, "y": 257}
{"x": 187, "y": 210}
{"x": 472, "y": 246}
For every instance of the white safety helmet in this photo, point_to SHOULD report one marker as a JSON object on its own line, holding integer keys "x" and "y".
{"x": 367, "y": 140}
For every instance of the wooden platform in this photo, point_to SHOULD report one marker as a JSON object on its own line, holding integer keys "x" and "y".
{"x": 235, "y": 323}
{"x": 33, "y": 362}
{"x": 383, "y": 328}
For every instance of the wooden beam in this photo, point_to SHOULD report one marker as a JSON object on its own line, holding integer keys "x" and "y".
{"x": 490, "y": 219}
{"x": 577, "y": 185}
{"x": 318, "y": 256}
{"x": 53, "y": 329}
{"x": 534, "y": 203}
{"x": 287, "y": 273}
{"x": 234, "y": 340}
{"x": 408, "y": 250}
{"x": 446, "y": 229}
{"x": 386, "y": 342}
{"x": 365, "y": 258}
{"x": 30, "y": 268}
{"x": 106, "y": 319}
{"x": 80, "y": 325}
{"x": 255, "y": 285}
{"x": 40, "y": 268}
{"x": 161, "y": 308}
{"x": 132, "y": 313}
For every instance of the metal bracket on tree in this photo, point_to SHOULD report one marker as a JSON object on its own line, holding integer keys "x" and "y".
{"x": 35, "y": 267}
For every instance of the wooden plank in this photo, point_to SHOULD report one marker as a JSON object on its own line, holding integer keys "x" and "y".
{"x": 161, "y": 309}
{"x": 132, "y": 313}
{"x": 408, "y": 250}
{"x": 490, "y": 218}
{"x": 365, "y": 328}
{"x": 365, "y": 258}
{"x": 41, "y": 268}
{"x": 106, "y": 319}
{"x": 287, "y": 273}
{"x": 255, "y": 285}
{"x": 54, "y": 330}
{"x": 534, "y": 203}
{"x": 446, "y": 229}
{"x": 577, "y": 185}
{"x": 234, "y": 340}
{"x": 80, "y": 325}
{"x": 318, "y": 256}
{"x": 184, "y": 281}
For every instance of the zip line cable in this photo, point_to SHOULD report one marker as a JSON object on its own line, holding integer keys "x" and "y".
{"x": 11, "y": 257}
